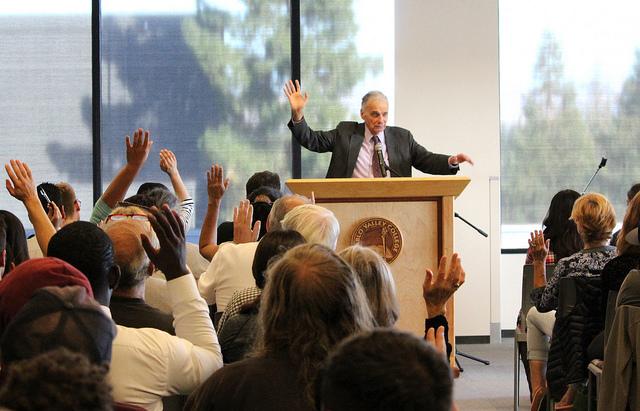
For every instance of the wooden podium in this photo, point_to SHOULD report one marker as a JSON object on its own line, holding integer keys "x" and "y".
{"x": 408, "y": 220}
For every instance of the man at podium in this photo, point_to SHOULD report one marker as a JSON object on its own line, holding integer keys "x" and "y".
{"x": 368, "y": 149}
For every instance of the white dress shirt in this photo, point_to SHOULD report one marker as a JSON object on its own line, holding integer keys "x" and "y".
{"x": 148, "y": 364}
{"x": 228, "y": 272}
{"x": 365, "y": 157}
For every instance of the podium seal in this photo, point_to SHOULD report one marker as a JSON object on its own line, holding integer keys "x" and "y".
{"x": 380, "y": 234}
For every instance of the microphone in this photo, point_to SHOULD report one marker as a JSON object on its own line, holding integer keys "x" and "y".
{"x": 603, "y": 162}
{"x": 380, "y": 157}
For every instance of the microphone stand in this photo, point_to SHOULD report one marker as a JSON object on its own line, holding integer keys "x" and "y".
{"x": 603, "y": 162}
{"x": 460, "y": 353}
{"x": 456, "y": 215}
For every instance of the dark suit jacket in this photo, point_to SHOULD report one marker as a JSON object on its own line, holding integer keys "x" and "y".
{"x": 345, "y": 141}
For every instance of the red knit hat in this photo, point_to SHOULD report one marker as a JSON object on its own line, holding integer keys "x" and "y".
{"x": 17, "y": 287}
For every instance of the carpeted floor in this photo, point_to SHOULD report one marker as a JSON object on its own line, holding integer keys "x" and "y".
{"x": 489, "y": 387}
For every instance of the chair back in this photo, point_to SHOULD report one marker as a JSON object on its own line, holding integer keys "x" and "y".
{"x": 610, "y": 312}
{"x": 527, "y": 285}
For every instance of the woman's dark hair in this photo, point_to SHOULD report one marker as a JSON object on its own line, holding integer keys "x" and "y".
{"x": 16, "y": 240}
{"x": 558, "y": 228}
{"x": 272, "y": 246}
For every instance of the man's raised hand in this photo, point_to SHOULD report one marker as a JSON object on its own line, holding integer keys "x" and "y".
{"x": 242, "y": 218}
{"x": 297, "y": 100}
{"x": 216, "y": 183}
{"x": 171, "y": 257}
{"x": 20, "y": 182}
{"x": 138, "y": 150}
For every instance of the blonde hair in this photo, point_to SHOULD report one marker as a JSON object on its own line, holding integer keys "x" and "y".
{"x": 595, "y": 217}
{"x": 630, "y": 221}
{"x": 68, "y": 197}
{"x": 375, "y": 275}
{"x": 312, "y": 300}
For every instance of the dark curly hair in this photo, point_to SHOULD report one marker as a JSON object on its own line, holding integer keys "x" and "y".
{"x": 57, "y": 380}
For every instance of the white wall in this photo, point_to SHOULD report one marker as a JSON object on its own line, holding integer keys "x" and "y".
{"x": 447, "y": 94}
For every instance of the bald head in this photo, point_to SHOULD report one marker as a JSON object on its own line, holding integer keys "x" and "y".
{"x": 129, "y": 254}
{"x": 281, "y": 207}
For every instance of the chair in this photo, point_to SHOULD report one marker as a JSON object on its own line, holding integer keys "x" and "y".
{"x": 520, "y": 335}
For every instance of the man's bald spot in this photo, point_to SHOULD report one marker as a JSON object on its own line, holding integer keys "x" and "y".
{"x": 125, "y": 236}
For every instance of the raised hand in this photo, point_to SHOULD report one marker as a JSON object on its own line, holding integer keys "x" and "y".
{"x": 242, "y": 217}
{"x": 437, "y": 291}
{"x": 168, "y": 162}
{"x": 20, "y": 182}
{"x": 459, "y": 159}
{"x": 297, "y": 100}
{"x": 138, "y": 150}
{"x": 436, "y": 338}
{"x": 171, "y": 257}
{"x": 539, "y": 247}
{"x": 216, "y": 183}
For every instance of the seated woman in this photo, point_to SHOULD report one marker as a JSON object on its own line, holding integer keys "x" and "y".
{"x": 594, "y": 217}
{"x": 564, "y": 241}
{"x": 312, "y": 300}
{"x": 559, "y": 229}
{"x": 375, "y": 276}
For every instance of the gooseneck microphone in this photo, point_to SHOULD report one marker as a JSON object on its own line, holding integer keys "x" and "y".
{"x": 603, "y": 162}
{"x": 380, "y": 158}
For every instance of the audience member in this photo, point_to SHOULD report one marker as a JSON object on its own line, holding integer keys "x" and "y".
{"x": 230, "y": 268}
{"x": 16, "y": 289}
{"x": 70, "y": 206}
{"x": 15, "y": 250}
{"x": 50, "y": 198}
{"x": 262, "y": 179}
{"x": 237, "y": 327}
{"x": 261, "y": 199}
{"x": 312, "y": 300}
{"x": 594, "y": 217}
{"x": 386, "y": 369}
{"x": 375, "y": 276}
{"x": 164, "y": 364}
{"x": 635, "y": 189}
{"x": 127, "y": 304}
{"x": 137, "y": 151}
{"x": 317, "y": 225}
{"x": 56, "y": 317}
{"x": 57, "y": 380}
{"x": 559, "y": 229}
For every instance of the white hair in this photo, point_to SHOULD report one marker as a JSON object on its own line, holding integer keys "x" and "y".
{"x": 316, "y": 224}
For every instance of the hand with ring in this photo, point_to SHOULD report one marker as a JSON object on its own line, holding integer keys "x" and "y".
{"x": 436, "y": 290}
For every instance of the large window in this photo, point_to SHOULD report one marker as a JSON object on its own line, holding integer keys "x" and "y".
{"x": 45, "y": 84}
{"x": 206, "y": 79}
{"x": 569, "y": 94}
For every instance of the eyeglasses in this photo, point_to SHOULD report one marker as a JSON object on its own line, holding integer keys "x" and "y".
{"x": 123, "y": 217}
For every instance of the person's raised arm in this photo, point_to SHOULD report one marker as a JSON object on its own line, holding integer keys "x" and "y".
{"x": 242, "y": 218}
{"x": 137, "y": 153}
{"x": 297, "y": 100}
{"x": 216, "y": 187}
{"x": 21, "y": 186}
{"x": 539, "y": 251}
{"x": 169, "y": 164}
{"x": 194, "y": 353}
